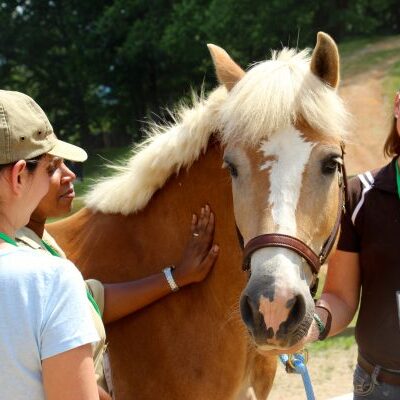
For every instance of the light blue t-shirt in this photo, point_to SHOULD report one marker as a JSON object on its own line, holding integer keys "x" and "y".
{"x": 43, "y": 312}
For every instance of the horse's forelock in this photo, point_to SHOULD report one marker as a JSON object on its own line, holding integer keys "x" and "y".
{"x": 275, "y": 94}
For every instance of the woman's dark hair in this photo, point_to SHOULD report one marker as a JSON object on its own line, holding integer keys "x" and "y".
{"x": 31, "y": 164}
{"x": 392, "y": 144}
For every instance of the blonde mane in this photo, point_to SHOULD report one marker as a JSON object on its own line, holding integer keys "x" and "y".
{"x": 167, "y": 149}
{"x": 272, "y": 95}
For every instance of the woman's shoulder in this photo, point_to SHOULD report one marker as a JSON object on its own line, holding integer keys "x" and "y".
{"x": 33, "y": 265}
{"x": 43, "y": 279}
{"x": 383, "y": 176}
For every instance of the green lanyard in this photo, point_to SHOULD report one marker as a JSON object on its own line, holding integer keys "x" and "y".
{"x": 93, "y": 301}
{"x": 7, "y": 239}
{"x": 50, "y": 249}
{"x": 398, "y": 177}
{"x": 55, "y": 253}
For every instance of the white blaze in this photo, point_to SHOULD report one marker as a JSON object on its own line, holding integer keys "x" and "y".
{"x": 290, "y": 153}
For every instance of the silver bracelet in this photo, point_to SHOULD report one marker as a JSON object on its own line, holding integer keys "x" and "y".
{"x": 170, "y": 279}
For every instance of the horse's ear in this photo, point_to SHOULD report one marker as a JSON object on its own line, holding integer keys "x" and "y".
{"x": 228, "y": 72}
{"x": 325, "y": 60}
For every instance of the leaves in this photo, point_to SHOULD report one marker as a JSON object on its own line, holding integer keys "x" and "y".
{"x": 100, "y": 68}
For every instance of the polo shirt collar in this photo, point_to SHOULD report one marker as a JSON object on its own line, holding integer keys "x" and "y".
{"x": 385, "y": 179}
{"x": 29, "y": 238}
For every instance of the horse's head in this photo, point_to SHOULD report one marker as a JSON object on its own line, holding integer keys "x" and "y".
{"x": 282, "y": 125}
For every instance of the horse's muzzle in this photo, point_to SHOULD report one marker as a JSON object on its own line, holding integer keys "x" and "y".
{"x": 275, "y": 320}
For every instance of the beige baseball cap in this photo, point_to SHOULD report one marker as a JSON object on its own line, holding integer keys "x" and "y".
{"x": 25, "y": 131}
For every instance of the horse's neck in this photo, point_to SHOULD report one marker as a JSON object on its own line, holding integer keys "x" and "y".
{"x": 116, "y": 247}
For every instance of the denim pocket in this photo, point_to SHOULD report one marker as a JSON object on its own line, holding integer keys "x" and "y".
{"x": 362, "y": 382}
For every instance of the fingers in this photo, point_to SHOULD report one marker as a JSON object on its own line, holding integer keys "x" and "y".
{"x": 210, "y": 259}
{"x": 210, "y": 225}
{"x": 204, "y": 217}
{"x": 194, "y": 224}
{"x": 199, "y": 254}
{"x": 201, "y": 224}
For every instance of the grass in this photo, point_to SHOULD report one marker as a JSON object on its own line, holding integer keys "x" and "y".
{"x": 361, "y": 55}
{"x": 344, "y": 341}
{"x": 349, "y": 47}
{"x": 391, "y": 83}
{"x": 367, "y": 61}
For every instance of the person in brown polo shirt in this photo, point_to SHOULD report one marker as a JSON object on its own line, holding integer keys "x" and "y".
{"x": 365, "y": 270}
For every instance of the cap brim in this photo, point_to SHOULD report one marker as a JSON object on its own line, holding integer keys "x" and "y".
{"x": 68, "y": 151}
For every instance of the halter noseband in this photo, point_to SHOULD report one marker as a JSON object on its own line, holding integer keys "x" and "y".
{"x": 290, "y": 242}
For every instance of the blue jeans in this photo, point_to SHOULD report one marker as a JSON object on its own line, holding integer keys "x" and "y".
{"x": 366, "y": 387}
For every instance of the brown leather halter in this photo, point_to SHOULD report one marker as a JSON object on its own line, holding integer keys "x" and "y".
{"x": 289, "y": 242}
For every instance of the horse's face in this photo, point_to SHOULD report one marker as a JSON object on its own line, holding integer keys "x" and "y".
{"x": 283, "y": 160}
{"x": 288, "y": 185}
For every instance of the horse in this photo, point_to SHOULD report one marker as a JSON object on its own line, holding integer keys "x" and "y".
{"x": 276, "y": 129}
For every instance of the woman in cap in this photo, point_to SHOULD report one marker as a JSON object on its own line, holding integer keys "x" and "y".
{"x": 110, "y": 302}
{"x": 45, "y": 333}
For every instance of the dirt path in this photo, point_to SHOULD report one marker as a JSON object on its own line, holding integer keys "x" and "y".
{"x": 331, "y": 375}
{"x": 371, "y": 109}
{"x": 331, "y": 370}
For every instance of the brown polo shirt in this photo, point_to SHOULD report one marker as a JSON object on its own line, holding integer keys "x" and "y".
{"x": 371, "y": 227}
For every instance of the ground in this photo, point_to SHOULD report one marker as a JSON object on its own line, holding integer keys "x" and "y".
{"x": 370, "y": 75}
{"x": 331, "y": 375}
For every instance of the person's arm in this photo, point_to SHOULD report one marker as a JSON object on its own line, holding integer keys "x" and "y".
{"x": 121, "y": 299}
{"x": 70, "y": 375}
{"x": 67, "y": 332}
{"x": 341, "y": 291}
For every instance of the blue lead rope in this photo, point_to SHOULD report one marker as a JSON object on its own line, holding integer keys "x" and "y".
{"x": 297, "y": 364}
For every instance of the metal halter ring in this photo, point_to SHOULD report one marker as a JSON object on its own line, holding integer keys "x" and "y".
{"x": 195, "y": 234}
{"x": 292, "y": 357}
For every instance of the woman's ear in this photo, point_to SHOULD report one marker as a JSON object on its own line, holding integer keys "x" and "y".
{"x": 18, "y": 174}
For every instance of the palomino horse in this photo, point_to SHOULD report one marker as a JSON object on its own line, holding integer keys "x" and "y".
{"x": 277, "y": 129}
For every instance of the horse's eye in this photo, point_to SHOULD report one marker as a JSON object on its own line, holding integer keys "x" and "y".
{"x": 329, "y": 165}
{"x": 231, "y": 168}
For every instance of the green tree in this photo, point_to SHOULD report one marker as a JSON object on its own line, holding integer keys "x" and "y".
{"x": 102, "y": 67}
{"x": 47, "y": 51}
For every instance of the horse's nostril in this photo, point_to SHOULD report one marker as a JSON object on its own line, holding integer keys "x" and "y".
{"x": 249, "y": 311}
{"x": 296, "y": 315}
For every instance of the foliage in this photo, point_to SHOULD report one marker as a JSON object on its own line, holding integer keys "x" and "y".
{"x": 101, "y": 67}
